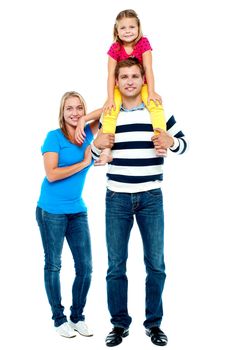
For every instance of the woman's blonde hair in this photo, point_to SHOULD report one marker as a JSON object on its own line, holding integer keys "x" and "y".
{"x": 61, "y": 119}
{"x": 126, "y": 14}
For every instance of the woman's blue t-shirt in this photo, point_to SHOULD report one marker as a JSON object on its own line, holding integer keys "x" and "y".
{"x": 64, "y": 196}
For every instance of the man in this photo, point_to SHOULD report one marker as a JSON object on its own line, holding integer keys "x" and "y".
{"x": 134, "y": 190}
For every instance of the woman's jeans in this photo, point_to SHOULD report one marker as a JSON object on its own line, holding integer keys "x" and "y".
{"x": 147, "y": 207}
{"x": 54, "y": 228}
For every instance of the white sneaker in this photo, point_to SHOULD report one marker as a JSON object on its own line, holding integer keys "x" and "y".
{"x": 65, "y": 330}
{"x": 81, "y": 328}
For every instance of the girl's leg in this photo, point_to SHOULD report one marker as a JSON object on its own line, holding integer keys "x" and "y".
{"x": 109, "y": 126}
{"x": 156, "y": 112}
{"x": 110, "y": 119}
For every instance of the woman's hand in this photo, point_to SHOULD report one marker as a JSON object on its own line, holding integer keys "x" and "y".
{"x": 79, "y": 132}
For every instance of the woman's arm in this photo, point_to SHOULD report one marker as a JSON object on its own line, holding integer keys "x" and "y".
{"x": 79, "y": 132}
{"x": 173, "y": 138}
{"x": 94, "y": 127}
{"x": 54, "y": 173}
{"x": 95, "y": 115}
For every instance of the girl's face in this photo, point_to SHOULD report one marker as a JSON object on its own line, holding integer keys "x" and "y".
{"x": 127, "y": 29}
{"x": 73, "y": 110}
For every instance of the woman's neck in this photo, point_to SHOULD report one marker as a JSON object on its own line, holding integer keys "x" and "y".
{"x": 71, "y": 132}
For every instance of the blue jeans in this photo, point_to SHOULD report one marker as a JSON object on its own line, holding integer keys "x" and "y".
{"x": 147, "y": 207}
{"x": 54, "y": 228}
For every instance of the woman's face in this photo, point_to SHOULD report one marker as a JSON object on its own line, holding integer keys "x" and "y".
{"x": 73, "y": 110}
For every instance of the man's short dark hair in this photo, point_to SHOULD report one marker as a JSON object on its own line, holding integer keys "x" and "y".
{"x": 129, "y": 62}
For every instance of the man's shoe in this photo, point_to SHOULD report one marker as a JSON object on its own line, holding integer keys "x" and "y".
{"x": 82, "y": 328}
{"x": 115, "y": 336}
{"x": 65, "y": 330}
{"x": 158, "y": 337}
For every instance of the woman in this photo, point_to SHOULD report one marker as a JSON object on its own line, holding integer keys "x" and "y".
{"x": 61, "y": 212}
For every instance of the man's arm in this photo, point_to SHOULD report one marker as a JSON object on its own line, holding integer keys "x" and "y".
{"x": 101, "y": 142}
{"x": 174, "y": 139}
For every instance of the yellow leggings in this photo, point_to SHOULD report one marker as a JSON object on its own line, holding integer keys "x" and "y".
{"x": 156, "y": 112}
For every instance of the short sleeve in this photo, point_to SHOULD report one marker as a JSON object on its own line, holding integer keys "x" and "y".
{"x": 144, "y": 45}
{"x": 89, "y": 135}
{"x": 114, "y": 51}
{"x": 51, "y": 143}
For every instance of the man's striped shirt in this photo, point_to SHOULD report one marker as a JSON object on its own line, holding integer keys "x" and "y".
{"x": 135, "y": 166}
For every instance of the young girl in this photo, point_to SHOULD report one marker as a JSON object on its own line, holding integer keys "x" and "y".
{"x": 128, "y": 42}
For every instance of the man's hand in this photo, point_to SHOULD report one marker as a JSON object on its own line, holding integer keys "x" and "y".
{"x": 162, "y": 141}
{"x": 104, "y": 140}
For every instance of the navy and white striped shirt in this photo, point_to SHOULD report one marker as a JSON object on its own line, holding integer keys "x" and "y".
{"x": 135, "y": 166}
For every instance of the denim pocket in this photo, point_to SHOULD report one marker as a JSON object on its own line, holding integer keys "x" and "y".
{"x": 157, "y": 192}
{"x": 110, "y": 194}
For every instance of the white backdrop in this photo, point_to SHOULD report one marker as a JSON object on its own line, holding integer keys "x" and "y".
{"x": 48, "y": 48}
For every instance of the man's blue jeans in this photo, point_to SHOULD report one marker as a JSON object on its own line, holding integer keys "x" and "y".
{"x": 54, "y": 228}
{"x": 121, "y": 208}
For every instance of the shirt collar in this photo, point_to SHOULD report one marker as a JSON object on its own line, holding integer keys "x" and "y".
{"x": 137, "y": 108}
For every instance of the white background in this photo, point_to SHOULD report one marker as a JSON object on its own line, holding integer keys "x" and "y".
{"x": 50, "y": 47}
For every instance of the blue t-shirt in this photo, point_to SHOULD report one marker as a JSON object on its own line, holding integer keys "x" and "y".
{"x": 64, "y": 196}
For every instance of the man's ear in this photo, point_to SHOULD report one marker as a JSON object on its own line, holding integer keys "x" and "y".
{"x": 117, "y": 82}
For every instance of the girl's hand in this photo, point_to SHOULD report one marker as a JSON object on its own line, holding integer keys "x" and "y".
{"x": 155, "y": 97}
{"x": 79, "y": 132}
{"x": 109, "y": 104}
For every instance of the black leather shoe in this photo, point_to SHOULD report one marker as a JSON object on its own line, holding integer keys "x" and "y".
{"x": 115, "y": 336}
{"x": 157, "y": 336}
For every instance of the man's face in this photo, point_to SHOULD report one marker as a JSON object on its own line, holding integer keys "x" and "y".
{"x": 130, "y": 81}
